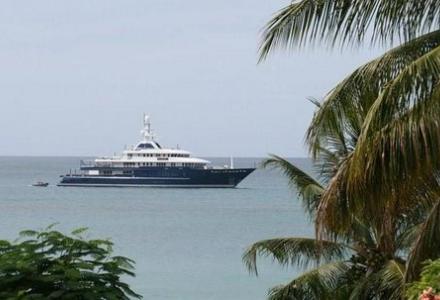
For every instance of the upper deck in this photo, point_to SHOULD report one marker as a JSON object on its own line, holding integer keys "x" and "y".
{"x": 148, "y": 153}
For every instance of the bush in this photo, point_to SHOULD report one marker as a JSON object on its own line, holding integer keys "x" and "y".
{"x": 428, "y": 287}
{"x": 50, "y": 265}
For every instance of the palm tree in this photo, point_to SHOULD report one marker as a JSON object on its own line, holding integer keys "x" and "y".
{"x": 350, "y": 261}
{"x": 377, "y": 130}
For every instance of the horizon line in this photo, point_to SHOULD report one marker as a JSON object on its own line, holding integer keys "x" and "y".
{"x": 211, "y": 156}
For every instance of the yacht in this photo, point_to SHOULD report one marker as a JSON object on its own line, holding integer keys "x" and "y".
{"x": 148, "y": 164}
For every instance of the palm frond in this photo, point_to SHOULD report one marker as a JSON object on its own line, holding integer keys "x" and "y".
{"x": 346, "y": 106}
{"x": 335, "y": 214}
{"x": 294, "y": 251}
{"x": 405, "y": 147}
{"x": 427, "y": 245}
{"x": 385, "y": 283}
{"x": 419, "y": 202}
{"x": 405, "y": 239}
{"x": 348, "y": 21}
{"x": 390, "y": 280}
{"x": 327, "y": 161}
{"x": 309, "y": 190}
{"x": 323, "y": 283}
{"x": 407, "y": 142}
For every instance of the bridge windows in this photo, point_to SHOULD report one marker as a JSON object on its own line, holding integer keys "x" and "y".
{"x": 145, "y": 146}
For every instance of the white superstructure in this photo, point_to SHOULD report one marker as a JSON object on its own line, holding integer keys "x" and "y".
{"x": 148, "y": 153}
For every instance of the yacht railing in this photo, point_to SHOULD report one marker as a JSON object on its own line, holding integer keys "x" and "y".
{"x": 92, "y": 163}
{"x": 86, "y": 163}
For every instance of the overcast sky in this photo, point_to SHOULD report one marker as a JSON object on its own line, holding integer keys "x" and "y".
{"x": 76, "y": 77}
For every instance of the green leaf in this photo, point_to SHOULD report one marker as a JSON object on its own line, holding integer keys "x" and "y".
{"x": 79, "y": 231}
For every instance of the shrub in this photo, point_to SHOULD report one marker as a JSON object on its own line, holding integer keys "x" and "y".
{"x": 428, "y": 287}
{"x": 50, "y": 265}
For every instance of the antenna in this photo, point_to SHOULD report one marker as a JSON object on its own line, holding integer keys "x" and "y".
{"x": 232, "y": 163}
{"x": 146, "y": 132}
{"x": 147, "y": 124}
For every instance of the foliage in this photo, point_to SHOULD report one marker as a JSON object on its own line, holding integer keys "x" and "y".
{"x": 430, "y": 278}
{"x": 374, "y": 142}
{"x": 294, "y": 251}
{"x": 309, "y": 189}
{"x": 348, "y": 21}
{"x": 50, "y": 265}
{"x": 369, "y": 273}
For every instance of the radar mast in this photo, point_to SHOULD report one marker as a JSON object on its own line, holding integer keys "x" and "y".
{"x": 147, "y": 132}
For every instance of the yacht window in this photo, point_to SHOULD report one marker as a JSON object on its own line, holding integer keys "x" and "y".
{"x": 145, "y": 146}
{"x": 158, "y": 146}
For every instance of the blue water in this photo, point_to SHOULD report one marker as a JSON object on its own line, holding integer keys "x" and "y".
{"x": 187, "y": 243}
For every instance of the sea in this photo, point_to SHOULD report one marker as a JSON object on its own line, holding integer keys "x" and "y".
{"x": 187, "y": 243}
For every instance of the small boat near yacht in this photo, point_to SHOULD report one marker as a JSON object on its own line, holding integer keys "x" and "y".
{"x": 40, "y": 184}
{"x": 148, "y": 164}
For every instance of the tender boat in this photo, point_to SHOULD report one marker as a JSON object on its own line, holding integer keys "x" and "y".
{"x": 148, "y": 164}
{"x": 40, "y": 184}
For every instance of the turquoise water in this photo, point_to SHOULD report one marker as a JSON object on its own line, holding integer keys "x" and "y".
{"x": 187, "y": 243}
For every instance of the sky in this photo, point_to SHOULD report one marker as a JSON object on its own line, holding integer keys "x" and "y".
{"x": 76, "y": 77}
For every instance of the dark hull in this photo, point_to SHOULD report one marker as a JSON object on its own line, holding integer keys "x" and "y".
{"x": 163, "y": 177}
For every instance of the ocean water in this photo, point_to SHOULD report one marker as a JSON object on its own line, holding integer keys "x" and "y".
{"x": 187, "y": 243}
